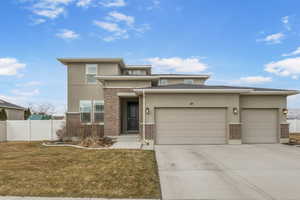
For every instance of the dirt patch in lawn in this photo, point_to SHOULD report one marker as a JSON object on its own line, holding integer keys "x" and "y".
{"x": 30, "y": 169}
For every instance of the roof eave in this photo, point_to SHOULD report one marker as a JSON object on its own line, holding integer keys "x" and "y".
{"x": 205, "y": 91}
{"x": 65, "y": 61}
{"x": 112, "y": 78}
{"x": 287, "y": 92}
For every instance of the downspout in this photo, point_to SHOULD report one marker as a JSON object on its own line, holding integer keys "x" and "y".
{"x": 144, "y": 117}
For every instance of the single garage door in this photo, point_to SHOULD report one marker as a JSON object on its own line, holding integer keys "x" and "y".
{"x": 259, "y": 126}
{"x": 191, "y": 126}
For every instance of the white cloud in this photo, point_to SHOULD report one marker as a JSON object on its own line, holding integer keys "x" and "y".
{"x": 84, "y": 3}
{"x": 113, "y": 3}
{"x": 285, "y": 67}
{"x": 117, "y": 32}
{"x": 273, "y": 38}
{"x": 285, "y": 21}
{"x": 294, "y": 101}
{"x": 10, "y": 66}
{"x": 177, "y": 64}
{"x": 29, "y": 84}
{"x": 26, "y": 93}
{"x": 255, "y": 79}
{"x": 293, "y": 53}
{"x": 49, "y": 9}
{"x": 38, "y": 21}
{"x": 155, "y": 4}
{"x": 67, "y": 34}
{"x": 117, "y": 16}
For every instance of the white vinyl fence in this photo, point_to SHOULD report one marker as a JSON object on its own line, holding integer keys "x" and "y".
{"x": 294, "y": 125}
{"x": 31, "y": 130}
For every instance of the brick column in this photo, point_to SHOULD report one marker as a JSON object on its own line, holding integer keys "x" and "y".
{"x": 235, "y": 136}
{"x": 284, "y": 133}
{"x": 112, "y": 111}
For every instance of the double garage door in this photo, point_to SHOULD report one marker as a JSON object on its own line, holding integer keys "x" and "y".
{"x": 208, "y": 126}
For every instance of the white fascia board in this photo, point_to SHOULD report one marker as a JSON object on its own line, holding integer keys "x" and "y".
{"x": 226, "y": 91}
{"x": 187, "y": 76}
{"x": 112, "y": 78}
{"x": 126, "y": 94}
{"x": 291, "y": 92}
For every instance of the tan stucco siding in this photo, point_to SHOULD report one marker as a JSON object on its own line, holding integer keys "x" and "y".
{"x": 228, "y": 101}
{"x": 128, "y": 83}
{"x": 13, "y": 114}
{"x": 78, "y": 89}
{"x": 83, "y": 92}
{"x": 265, "y": 101}
{"x": 172, "y": 81}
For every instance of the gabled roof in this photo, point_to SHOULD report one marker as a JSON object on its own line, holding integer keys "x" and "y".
{"x": 5, "y": 104}
{"x": 193, "y": 88}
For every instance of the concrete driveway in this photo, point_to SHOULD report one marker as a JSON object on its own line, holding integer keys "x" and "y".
{"x": 229, "y": 172}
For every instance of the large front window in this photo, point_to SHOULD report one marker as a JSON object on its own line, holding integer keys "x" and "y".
{"x": 98, "y": 111}
{"x": 188, "y": 81}
{"x": 85, "y": 111}
{"x": 163, "y": 82}
{"x": 91, "y": 73}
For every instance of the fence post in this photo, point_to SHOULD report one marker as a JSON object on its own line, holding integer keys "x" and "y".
{"x": 29, "y": 129}
{"x": 51, "y": 133}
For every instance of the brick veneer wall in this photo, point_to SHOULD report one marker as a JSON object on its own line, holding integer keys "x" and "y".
{"x": 112, "y": 110}
{"x": 284, "y": 131}
{"x": 76, "y": 129}
{"x": 235, "y": 131}
{"x": 73, "y": 124}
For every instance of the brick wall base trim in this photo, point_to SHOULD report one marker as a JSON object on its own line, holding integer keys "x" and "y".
{"x": 284, "y": 131}
{"x": 235, "y": 132}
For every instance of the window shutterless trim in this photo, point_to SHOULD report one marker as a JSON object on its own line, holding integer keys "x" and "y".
{"x": 86, "y": 73}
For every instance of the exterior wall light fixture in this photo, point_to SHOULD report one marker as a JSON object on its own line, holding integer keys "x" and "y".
{"x": 147, "y": 111}
{"x": 235, "y": 111}
{"x": 285, "y": 111}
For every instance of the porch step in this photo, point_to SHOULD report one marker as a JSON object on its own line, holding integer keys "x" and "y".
{"x": 127, "y": 138}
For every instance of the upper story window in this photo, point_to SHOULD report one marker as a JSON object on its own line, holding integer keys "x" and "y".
{"x": 85, "y": 111}
{"x": 188, "y": 81}
{"x": 98, "y": 111}
{"x": 163, "y": 82}
{"x": 136, "y": 72}
{"x": 91, "y": 73}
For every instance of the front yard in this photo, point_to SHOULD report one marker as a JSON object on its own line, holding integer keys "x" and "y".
{"x": 30, "y": 169}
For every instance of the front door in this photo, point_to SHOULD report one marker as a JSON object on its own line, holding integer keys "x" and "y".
{"x": 132, "y": 116}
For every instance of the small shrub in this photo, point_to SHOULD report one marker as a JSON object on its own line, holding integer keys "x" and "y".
{"x": 95, "y": 141}
{"x": 3, "y": 115}
{"x": 62, "y": 132}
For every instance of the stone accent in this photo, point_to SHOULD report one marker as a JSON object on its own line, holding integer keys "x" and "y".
{"x": 235, "y": 132}
{"x": 73, "y": 124}
{"x": 112, "y": 111}
{"x": 284, "y": 131}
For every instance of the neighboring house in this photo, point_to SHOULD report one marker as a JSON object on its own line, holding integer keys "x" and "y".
{"x": 294, "y": 114}
{"x": 13, "y": 112}
{"x": 170, "y": 109}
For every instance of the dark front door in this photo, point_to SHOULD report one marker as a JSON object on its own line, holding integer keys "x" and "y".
{"x": 132, "y": 116}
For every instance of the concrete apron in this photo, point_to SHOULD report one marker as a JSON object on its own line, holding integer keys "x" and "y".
{"x": 225, "y": 172}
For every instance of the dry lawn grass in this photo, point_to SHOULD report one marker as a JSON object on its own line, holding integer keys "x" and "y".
{"x": 29, "y": 169}
{"x": 295, "y": 137}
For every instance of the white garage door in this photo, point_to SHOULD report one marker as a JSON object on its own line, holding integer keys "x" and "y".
{"x": 191, "y": 126}
{"x": 259, "y": 126}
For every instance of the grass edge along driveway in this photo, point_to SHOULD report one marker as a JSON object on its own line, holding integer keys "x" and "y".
{"x": 30, "y": 169}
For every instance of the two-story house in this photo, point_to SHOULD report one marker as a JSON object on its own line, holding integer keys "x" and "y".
{"x": 170, "y": 108}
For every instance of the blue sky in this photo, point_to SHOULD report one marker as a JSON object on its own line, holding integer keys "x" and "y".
{"x": 253, "y": 43}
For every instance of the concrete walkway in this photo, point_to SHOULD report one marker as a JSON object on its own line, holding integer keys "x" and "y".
{"x": 60, "y": 198}
{"x": 229, "y": 172}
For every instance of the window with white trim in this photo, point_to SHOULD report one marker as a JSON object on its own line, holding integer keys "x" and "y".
{"x": 188, "y": 81}
{"x": 98, "y": 111}
{"x": 163, "y": 82}
{"x": 85, "y": 111}
{"x": 91, "y": 73}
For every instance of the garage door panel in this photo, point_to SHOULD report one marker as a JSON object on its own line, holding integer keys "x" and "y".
{"x": 259, "y": 126}
{"x": 191, "y": 126}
